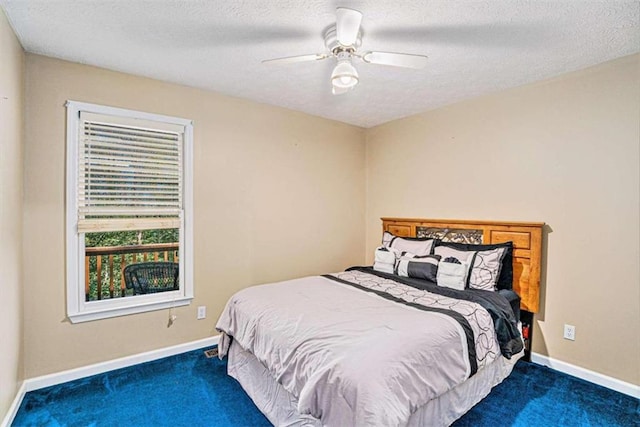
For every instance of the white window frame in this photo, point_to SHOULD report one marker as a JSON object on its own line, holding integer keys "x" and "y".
{"x": 79, "y": 310}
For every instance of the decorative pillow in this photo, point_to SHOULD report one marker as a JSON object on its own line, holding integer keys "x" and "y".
{"x": 387, "y": 238}
{"x": 486, "y": 269}
{"x": 453, "y": 274}
{"x": 385, "y": 259}
{"x": 485, "y": 266}
{"x": 414, "y": 245}
{"x": 505, "y": 278}
{"x": 423, "y": 267}
{"x": 465, "y": 257}
{"x": 462, "y": 256}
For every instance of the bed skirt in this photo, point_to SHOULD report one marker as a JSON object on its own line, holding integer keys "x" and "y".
{"x": 280, "y": 407}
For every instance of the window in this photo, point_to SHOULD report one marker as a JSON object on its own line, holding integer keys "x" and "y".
{"x": 129, "y": 212}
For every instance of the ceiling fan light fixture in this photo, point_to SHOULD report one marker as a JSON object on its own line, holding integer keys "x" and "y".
{"x": 339, "y": 91}
{"x": 344, "y": 75}
{"x": 342, "y": 42}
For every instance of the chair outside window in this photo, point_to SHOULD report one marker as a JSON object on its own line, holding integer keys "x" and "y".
{"x": 152, "y": 277}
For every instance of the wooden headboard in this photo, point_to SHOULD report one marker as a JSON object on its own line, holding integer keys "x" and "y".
{"x": 526, "y": 238}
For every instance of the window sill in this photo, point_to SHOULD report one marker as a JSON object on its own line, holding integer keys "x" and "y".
{"x": 107, "y": 312}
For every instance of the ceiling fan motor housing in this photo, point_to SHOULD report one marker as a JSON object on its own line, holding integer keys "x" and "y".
{"x": 334, "y": 46}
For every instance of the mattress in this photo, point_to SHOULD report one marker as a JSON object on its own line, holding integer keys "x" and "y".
{"x": 362, "y": 348}
{"x": 280, "y": 406}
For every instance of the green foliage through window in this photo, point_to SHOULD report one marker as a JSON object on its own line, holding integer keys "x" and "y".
{"x": 111, "y": 251}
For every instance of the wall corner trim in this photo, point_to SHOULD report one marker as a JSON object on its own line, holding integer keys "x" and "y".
{"x": 587, "y": 375}
{"x": 36, "y": 383}
{"x": 13, "y": 409}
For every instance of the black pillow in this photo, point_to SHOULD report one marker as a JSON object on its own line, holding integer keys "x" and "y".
{"x": 505, "y": 280}
{"x": 419, "y": 267}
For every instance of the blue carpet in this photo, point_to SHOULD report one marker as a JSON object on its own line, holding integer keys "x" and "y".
{"x": 183, "y": 390}
{"x": 535, "y": 395}
{"x": 190, "y": 390}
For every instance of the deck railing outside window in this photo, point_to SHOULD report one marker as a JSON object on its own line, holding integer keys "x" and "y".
{"x": 104, "y": 267}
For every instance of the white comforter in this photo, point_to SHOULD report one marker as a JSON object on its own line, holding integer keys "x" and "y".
{"x": 352, "y": 357}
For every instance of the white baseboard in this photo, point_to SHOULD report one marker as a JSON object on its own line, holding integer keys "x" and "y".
{"x": 13, "y": 409}
{"x": 99, "y": 368}
{"x": 587, "y": 375}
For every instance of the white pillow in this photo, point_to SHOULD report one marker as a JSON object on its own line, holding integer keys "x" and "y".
{"x": 485, "y": 266}
{"x": 486, "y": 269}
{"x": 465, "y": 257}
{"x": 385, "y": 259}
{"x": 446, "y": 252}
{"x": 387, "y": 238}
{"x": 452, "y": 275}
{"x": 418, "y": 247}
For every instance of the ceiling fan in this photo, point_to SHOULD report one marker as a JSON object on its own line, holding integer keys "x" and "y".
{"x": 342, "y": 41}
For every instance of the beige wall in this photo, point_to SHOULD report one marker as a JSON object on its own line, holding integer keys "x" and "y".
{"x": 564, "y": 151}
{"x": 11, "y": 115}
{"x": 278, "y": 194}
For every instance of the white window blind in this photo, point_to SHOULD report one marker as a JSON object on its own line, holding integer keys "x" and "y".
{"x": 130, "y": 174}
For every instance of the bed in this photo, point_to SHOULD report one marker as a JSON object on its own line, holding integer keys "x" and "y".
{"x": 370, "y": 346}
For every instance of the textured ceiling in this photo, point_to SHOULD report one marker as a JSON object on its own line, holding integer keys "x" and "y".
{"x": 474, "y": 47}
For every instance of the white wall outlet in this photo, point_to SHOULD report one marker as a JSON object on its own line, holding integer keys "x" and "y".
{"x": 569, "y": 332}
{"x": 202, "y": 312}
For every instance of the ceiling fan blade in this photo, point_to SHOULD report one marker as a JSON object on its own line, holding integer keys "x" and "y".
{"x": 347, "y": 25}
{"x": 406, "y": 60}
{"x": 298, "y": 58}
{"x": 496, "y": 35}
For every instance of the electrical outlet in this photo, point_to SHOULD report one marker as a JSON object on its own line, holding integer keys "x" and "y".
{"x": 202, "y": 312}
{"x": 569, "y": 332}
